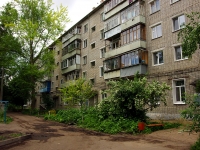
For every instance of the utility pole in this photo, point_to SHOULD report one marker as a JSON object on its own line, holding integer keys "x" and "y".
{"x": 2, "y": 75}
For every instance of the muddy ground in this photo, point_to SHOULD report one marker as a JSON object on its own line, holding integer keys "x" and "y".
{"x": 48, "y": 135}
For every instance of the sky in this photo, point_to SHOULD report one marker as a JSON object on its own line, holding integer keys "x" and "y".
{"x": 77, "y": 9}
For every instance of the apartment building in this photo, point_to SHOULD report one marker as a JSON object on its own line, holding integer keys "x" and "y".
{"x": 122, "y": 37}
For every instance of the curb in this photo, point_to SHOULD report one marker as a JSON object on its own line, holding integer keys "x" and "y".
{"x": 15, "y": 140}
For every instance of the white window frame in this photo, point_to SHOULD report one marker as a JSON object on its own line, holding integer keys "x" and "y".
{"x": 84, "y": 63}
{"x": 84, "y": 27}
{"x": 174, "y": 47}
{"x": 171, "y": 1}
{"x": 174, "y": 90}
{"x": 100, "y": 72}
{"x": 102, "y": 16}
{"x": 156, "y": 9}
{"x": 84, "y": 45}
{"x": 101, "y": 52}
{"x": 154, "y": 29}
{"x": 156, "y": 51}
{"x": 180, "y": 27}
{"x": 103, "y": 95}
{"x": 92, "y": 62}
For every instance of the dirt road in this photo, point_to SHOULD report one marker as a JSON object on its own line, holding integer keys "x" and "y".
{"x": 47, "y": 135}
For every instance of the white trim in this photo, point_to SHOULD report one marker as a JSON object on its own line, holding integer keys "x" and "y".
{"x": 156, "y": 50}
{"x": 177, "y": 44}
{"x": 174, "y": 92}
{"x": 155, "y": 24}
{"x": 161, "y": 49}
{"x": 100, "y": 71}
{"x": 150, "y": 1}
{"x": 84, "y": 26}
{"x": 93, "y": 60}
{"x": 93, "y": 42}
{"x": 170, "y": 1}
{"x": 176, "y": 16}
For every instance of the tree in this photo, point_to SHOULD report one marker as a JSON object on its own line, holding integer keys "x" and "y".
{"x": 132, "y": 98}
{"x": 77, "y": 91}
{"x": 36, "y": 25}
{"x": 189, "y": 36}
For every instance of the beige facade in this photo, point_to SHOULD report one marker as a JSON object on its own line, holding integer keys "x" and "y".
{"x": 140, "y": 36}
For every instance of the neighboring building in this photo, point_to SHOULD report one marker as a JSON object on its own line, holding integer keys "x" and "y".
{"x": 121, "y": 37}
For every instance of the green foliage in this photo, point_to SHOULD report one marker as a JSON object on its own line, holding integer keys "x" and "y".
{"x": 192, "y": 112}
{"x": 196, "y": 146}
{"x": 8, "y": 119}
{"x": 132, "y": 98}
{"x": 197, "y": 86}
{"x": 189, "y": 35}
{"x": 36, "y": 25}
{"x": 77, "y": 91}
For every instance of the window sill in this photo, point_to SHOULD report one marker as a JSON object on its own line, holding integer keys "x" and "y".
{"x": 154, "y": 12}
{"x": 174, "y": 2}
{"x": 181, "y": 59}
{"x": 179, "y": 103}
{"x": 158, "y": 64}
{"x": 156, "y": 38}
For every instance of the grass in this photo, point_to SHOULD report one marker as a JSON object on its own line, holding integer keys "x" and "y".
{"x": 9, "y": 136}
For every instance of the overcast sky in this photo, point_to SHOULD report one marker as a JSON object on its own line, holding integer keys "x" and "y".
{"x": 77, "y": 8}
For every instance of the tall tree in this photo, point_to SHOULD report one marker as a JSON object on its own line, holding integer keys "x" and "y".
{"x": 190, "y": 34}
{"x": 36, "y": 24}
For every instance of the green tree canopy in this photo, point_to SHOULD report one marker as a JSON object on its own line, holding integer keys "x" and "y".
{"x": 77, "y": 91}
{"x": 36, "y": 25}
{"x": 189, "y": 36}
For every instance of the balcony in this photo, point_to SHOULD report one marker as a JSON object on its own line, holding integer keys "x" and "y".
{"x": 113, "y": 74}
{"x": 132, "y": 70}
{"x": 136, "y": 20}
{"x": 71, "y": 68}
{"x": 72, "y": 38}
{"x": 72, "y": 53}
{"x": 112, "y": 32}
{"x": 46, "y": 88}
{"x": 126, "y": 48}
{"x": 116, "y": 9}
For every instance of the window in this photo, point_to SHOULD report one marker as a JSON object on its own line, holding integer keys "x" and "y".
{"x": 178, "y": 53}
{"x": 156, "y": 31}
{"x": 102, "y": 16}
{"x": 93, "y": 29}
{"x": 64, "y": 64}
{"x": 92, "y": 81}
{"x": 178, "y": 22}
{"x": 101, "y": 71}
{"x": 132, "y": 34}
{"x": 57, "y": 63}
{"x": 102, "y": 52}
{"x": 61, "y": 81}
{"x": 57, "y": 77}
{"x": 85, "y": 43}
{"x": 85, "y": 28}
{"x": 84, "y": 60}
{"x": 92, "y": 45}
{"x": 158, "y": 58}
{"x": 58, "y": 52}
{"x": 179, "y": 91}
{"x": 155, "y": 6}
{"x": 173, "y": 1}
{"x": 84, "y": 75}
{"x": 92, "y": 63}
{"x": 103, "y": 94}
{"x": 102, "y": 34}
{"x": 112, "y": 64}
{"x": 130, "y": 59}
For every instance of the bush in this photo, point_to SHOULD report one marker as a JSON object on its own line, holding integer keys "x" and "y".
{"x": 196, "y": 146}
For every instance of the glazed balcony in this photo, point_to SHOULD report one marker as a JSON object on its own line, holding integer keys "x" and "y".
{"x": 112, "y": 74}
{"x": 72, "y": 53}
{"x": 132, "y": 70}
{"x": 71, "y": 39}
{"x": 46, "y": 87}
{"x": 71, "y": 68}
{"x": 125, "y": 48}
